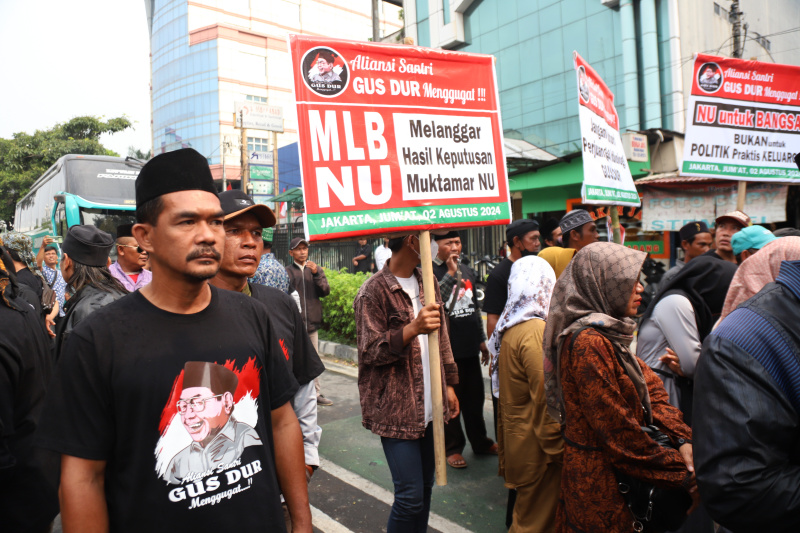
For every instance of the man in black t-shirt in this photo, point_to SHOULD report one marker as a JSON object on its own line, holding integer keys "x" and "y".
{"x": 122, "y": 406}
{"x": 244, "y": 222}
{"x": 362, "y": 262}
{"x": 523, "y": 239}
{"x": 468, "y": 342}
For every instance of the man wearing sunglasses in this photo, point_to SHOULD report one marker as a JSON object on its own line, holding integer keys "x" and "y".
{"x": 129, "y": 266}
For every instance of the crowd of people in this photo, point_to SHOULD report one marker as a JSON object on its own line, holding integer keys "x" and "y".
{"x": 183, "y": 377}
{"x": 593, "y": 392}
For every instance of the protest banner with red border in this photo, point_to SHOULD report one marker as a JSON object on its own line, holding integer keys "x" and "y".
{"x": 743, "y": 120}
{"x": 607, "y": 177}
{"x": 397, "y": 138}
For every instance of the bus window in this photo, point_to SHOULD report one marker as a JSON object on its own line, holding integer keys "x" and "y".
{"x": 107, "y": 219}
{"x": 61, "y": 221}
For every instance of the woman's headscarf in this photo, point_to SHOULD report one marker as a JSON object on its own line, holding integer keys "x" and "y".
{"x": 704, "y": 281}
{"x": 594, "y": 290}
{"x": 21, "y": 244}
{"x": 530, "y": 286}
{"x": 758, "y": 270}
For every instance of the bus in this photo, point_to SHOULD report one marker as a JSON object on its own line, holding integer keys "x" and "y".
{"x": 79, "y": 189}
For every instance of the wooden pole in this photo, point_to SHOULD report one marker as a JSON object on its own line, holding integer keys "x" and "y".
{"x": 275, "y": 177}
{"x": 741, "y": 194}
{"x": 615, "y": 224}
{"x": 428, "y": 287}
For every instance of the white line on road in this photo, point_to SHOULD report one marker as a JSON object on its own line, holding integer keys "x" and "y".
{"x": 325, "y": 523}
{"x": 354, "y": 480}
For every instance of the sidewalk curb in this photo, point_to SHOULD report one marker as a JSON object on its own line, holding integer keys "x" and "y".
{"x": 339, "y": 368}
{"x": 339, "y": 351}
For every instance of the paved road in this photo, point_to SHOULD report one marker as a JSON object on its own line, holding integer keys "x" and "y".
{"x": 352, "y": 490}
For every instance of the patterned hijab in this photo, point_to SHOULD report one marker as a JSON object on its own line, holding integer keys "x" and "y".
{"x": 22, "y": 244}
{"x": 594, "y": 290}
{"x": 530, "y": 286}
{"x": 758, "y": 270}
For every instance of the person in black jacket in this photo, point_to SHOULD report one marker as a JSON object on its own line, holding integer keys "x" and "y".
{"x": 746, "y": 412}
{"x": 85, "y": 268}
{"x": 28, "y": 475}
{"x": 308, "y": 279}
{"x": 468, "y": 342}
{"x": 244, "y": 222}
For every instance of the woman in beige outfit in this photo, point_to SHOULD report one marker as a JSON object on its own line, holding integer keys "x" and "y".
{"x": 529, "y": 440}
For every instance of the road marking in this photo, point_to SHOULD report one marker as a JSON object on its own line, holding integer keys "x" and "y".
{"x": 368, "y": 487}
{"x": 325, "y": 523}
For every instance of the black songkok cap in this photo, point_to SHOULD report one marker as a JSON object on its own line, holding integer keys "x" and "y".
{"x": 549, "y": 227}
{"x": 691, "y": 229}
{"x": 449, "y": 235}
{"x": 124, "y": 230}
{"x": 519, "y": 228}
{"x": 210, "y": 375}
{"x": 180, "y": 170}
{"x": 88, "y": 245}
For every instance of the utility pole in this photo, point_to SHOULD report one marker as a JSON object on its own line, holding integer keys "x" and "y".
{"x": 275, "y": 178}
{"x": 224, "y": 176}
{"x": 245, "y": 158}
{"x": 376, "y": 23}
{"x": 736, "y": 20}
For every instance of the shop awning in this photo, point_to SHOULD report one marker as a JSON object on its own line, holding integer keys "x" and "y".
{"x": 294, "y": 196}
{"x": 522, "y": 155}
{"x": 672, "y": 178}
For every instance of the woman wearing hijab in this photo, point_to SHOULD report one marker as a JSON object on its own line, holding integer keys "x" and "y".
{"x": 602, "y": 394}
{"x": 529, "y": 439}
{"x": 758, "y": 270}
{"x": 677, "y": 322}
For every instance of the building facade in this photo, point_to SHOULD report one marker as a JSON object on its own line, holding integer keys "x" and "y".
{"x": 643, "y": 49}
{"x": 208, "y": 54}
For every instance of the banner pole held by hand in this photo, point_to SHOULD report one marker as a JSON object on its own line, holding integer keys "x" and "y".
{"x": 429, "y": 289}
{"x": 617, "y": 236}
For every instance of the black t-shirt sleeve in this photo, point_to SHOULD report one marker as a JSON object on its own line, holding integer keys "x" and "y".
{"x": 497, "y": 289}
{"x": 281, "y": 382}
{"x": 77, "y": 418}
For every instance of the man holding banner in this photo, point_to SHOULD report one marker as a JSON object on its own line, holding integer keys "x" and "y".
{"x": 394, "y": 378}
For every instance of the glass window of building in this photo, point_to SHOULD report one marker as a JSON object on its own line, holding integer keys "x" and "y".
{"x": 257, "y": 144}
{"x": 252, "y": 98}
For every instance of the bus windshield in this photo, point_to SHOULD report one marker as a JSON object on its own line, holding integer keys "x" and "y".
{"x": 107, "y": 219}
{"x": 104, "y": 182}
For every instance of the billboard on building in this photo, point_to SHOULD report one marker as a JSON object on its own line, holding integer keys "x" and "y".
{"x": 670, "y": 209}
{"x": 743, "y": 120}
{"x": 607, "y": 178}
{"x": 259, "y": 116}
{"x": 397, "y": 138}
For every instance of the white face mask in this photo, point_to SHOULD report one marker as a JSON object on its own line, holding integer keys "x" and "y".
{"x": 412, "y": 248}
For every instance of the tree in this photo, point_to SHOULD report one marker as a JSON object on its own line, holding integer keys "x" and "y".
{"x": 138, "y": 154}
{"x": 25, "y": 157}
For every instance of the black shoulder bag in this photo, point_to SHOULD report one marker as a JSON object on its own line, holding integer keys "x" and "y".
{"x": 48, "y": 294}
{"x": 654, "y": 509}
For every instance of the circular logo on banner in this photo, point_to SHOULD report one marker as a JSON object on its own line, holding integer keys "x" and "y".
{"x": 709, "y": 77}
{"x": 583, "y": 84}
{"x": 325, "y": 71}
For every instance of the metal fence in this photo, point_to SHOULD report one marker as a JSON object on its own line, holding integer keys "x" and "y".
{"x": 336, "y": 255}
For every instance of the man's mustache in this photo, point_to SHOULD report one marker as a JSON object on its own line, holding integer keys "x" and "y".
{"x": 205, "y": 250}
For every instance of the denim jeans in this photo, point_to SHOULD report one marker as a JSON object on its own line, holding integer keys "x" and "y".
{"x": 412, "y": 465}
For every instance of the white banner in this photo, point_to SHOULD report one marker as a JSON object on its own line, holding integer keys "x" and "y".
{"x": 671, "y": 209}
{"x": 607, "y": 178}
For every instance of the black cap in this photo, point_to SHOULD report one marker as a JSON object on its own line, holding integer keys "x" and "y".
{"x": 296, "y": 242}
{"x": 181, "y": 170}
{"x": 236, "y": 202}
{"x": 449, "y": 235}
{"x": 691, "y": 229}
{"x": 519, "y": 228}
{"x": 88, "y": 245}
{"x": 549, "y": 227}
{"x": 124, "y": 230}
{"x": 574, "y": 220}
